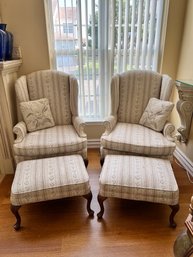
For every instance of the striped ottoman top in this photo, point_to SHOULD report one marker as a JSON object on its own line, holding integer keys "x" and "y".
{"x": 49, "y": 178}
{"x": 139, "y": 178}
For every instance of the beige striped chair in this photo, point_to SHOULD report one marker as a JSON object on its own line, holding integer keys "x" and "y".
{"x": 65, "y": 135}
{"x": 130, "y": 95}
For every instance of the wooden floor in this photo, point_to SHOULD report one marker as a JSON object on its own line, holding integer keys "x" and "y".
{"x": 62, "y": 227}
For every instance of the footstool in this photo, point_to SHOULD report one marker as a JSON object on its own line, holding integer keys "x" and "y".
{"x": 138, "y": 178}
{"x": 48, "y": 179}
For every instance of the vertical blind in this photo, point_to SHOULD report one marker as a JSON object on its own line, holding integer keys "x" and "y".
{"x": 94, "y": 39}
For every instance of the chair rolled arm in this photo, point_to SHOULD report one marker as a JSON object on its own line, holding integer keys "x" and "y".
{"x": 20, "y": 130}
{"x": 168, "y": 131}
{"x": 79, "y": 126}
{"x": 109, "y": 124}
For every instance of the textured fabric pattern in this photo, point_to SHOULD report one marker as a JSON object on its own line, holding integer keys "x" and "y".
{"x": 137, "y": 139}
{"x": 139, "y": 178}
{"x": 37, "y": 114}
{"x": 20, "y": 130}
{"x": 21, "y": 158}
{"x": 104, "y": 152}
{"x": 61, "y": 90}
{"x": 156, "y": 114}
{"x": 54, "y": 86}
{"x": 110, "y": 123}
{"x": 135, "y": 90}
{"x": 51, "y": 141}
{"x": 22, "y": 95}
{"x": 166, "y": 87}
{"x": 79, "y": 125}
{"x": 50, "y": 178}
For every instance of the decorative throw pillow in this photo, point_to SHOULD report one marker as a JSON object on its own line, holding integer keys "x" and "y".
{"x": 156, "y": 114}
{"x": 37, "y": 114}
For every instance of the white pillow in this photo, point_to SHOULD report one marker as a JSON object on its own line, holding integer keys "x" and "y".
{"x": 37, "y": 114}
{"x": 156, "y": 114}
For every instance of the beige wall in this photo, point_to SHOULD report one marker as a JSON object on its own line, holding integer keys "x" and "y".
{"x": 185, "y": 68}
{"x": 26, "y": 20}
{"x": 174, "y": 35}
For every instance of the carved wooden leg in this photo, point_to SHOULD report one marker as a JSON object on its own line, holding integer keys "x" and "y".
{"x": 102, "y": 161}
{"x": 15, "y": 210}
{"x": 175, "y": 209}
{"x": 101, "y": 199}
{"x": 86, "y": 162}
{"x": 89, "y": 199}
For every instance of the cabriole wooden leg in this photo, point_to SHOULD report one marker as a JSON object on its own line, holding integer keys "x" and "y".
{"x": 101, "y": 199}
{"x": 89, "y": 199}
{"x": 175, "y": 209}
{"x": 86, "y": 162}
{"x": 15, "y": 210}
{"x": 102, "y": 161}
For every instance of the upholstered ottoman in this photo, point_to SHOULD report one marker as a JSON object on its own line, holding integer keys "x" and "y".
{"x": 139, "y": 178}
{"x": 48, "y": 179}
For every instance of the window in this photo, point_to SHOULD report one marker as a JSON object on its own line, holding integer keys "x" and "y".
{"x": 94, "y": 39}
{"x": 68, "y": 28}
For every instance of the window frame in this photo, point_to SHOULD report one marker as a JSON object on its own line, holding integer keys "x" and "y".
{"x": 53, "y": 62}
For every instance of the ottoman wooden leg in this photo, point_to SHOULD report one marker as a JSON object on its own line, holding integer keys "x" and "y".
{"x": 102, "y": 161}
{"x": 89, "y": 199}
{"x": 175, "y": 209}
{"x": 86, "y": 162}
{"x": 101, "y": 199}
{"x": 15, "y": 210}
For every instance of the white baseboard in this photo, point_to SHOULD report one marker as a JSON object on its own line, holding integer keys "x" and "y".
{"x": 93, "y": 143}
{"x": 184, "y": 160}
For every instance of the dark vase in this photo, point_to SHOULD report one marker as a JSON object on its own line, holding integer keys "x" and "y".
{"x": 2, "y": 44}
{"x": 8, "y": 42}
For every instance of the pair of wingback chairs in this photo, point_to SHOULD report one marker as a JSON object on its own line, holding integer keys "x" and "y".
{"x": 49, "y": 124}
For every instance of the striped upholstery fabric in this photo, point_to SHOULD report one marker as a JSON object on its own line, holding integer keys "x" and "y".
{"x": 67, "y": 137}
{"x": 130, "y": 94}
{"x": 166, "y": 88}
{"x": 53, "y": 85}
{"x": 139, "y": 178}
{"x": 135, "y": 83}
{"x": 50, "y": 178}
{"x": 137, "y": 139}
{"x": 50, "y": 141}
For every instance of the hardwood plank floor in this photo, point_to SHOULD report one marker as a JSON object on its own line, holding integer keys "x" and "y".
{"x": 62, "y": 227}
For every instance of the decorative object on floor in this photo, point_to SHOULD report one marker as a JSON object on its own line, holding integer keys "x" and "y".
{"x": 183, "y": 246}
{"x": 139, "y": 178}
{"x": 185, "y": 108}
{"x": 48, "y": 179}
{"x": 130, "y": 93}
{"x": 67, "y": 136}
{"x": 8, "y": 47}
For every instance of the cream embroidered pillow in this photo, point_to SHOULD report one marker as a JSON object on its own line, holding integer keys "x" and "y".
{"x": 156, "y": 114}
{"x": 37, "y": 114}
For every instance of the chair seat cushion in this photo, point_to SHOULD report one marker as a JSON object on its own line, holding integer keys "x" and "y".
{"x": 139, "y": 178}
{"x": 50, "y": 141}
{"x": 49, "y": 178}
{"x": 137, "y": 139}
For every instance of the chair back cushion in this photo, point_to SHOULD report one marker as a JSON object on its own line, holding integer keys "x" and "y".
{"x": 135, "y": 90}
{"x": 54, "y": 86}
{"x": 59, "y": 88}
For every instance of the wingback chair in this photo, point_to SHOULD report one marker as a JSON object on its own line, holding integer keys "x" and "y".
{"x": 126, "y": 132}
{"x": 59, "y": 131}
